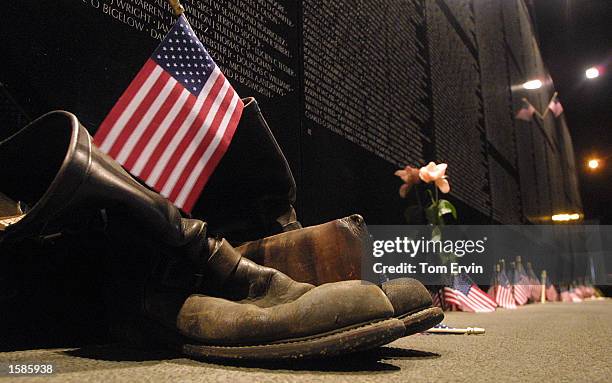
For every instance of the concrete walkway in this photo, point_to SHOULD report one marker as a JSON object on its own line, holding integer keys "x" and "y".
{"x": 559, "y": 342}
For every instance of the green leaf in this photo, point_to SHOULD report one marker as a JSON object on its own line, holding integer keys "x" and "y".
{"x": 445, "y": 207}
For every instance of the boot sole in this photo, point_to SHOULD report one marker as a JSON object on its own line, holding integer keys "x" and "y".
{"x": 421, "y": 320}
{"x": 343, "y": 341}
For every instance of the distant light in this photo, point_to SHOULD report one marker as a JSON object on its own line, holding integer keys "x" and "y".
{"x": 533, "y": 84}
{"x": 566, "y": 217}
{"x": 593, "y": 164}
{"x": 592, "y": 73}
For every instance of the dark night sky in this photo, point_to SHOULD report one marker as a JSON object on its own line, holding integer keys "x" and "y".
{"x": 575, "y": 35}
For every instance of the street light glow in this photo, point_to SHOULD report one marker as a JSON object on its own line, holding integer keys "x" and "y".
{"x": 593, "y": 163}
{"x": 566, "y": 217}
{"x": 592, "y": 73}
{"x": 532, "y": 84}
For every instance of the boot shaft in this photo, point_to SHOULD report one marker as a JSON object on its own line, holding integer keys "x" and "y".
{"x": 324, "y": 253}
{"x": 63, "y": 178}
{"x": 40, "y": 157}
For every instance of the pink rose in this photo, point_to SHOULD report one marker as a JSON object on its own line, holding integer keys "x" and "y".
{"x": 410, "y": 176}
{"x": 435, "y": 173}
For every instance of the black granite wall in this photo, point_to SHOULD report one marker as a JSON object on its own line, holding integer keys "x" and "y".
{"x": 352, "y": 89}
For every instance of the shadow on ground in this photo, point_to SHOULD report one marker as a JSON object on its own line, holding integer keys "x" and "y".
{"x": 370, "y": 361}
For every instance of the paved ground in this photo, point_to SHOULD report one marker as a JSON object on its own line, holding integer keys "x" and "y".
{"x": 553, "y": 342}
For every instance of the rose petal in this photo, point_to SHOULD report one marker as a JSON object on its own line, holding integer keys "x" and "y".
{"x": 401, "y": 174}
{"x": 414, "y": 175}
{"x": 404, "y": 190}
{"x": 424, "y": 175}
{"x": 440, "y": 170}
{"x": 409, "y": 175}
{"x": 405, "y": 176}
{"x": 435, "y": 175}
{"x": 432, "y": 172}
{"x": 443, "y": 185}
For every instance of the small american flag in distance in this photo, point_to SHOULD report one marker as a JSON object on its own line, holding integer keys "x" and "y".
{"x": 521, "y": 288}
{"x": 176, "y": 119}
{"x": 503, "y": 292}
{"x": 467, "y": 296}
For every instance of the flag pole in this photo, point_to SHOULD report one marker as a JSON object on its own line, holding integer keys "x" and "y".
{"x": 496, "y": 279}
{"x": 534, "y": 108}
{"x": 547, "y": 108}
{"x": 176, "y": 7}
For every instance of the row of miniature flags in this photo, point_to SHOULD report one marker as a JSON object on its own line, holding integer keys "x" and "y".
{"x": 527, "y": 111}
{"x": 509, "y": 289}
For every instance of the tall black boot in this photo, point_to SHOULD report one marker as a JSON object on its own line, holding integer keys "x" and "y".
{"x": 54, "y": 170}
{"x": 235, "y": 308}
{"x": 251, "y": 193}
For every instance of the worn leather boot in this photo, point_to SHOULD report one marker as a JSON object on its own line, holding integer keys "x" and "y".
{"x": 333, "y": 252}
{"x": 251, "y": 196}
{"x": 251, "y": 193}
{"x": 234, "y": 308}
{"x": 241, "y": 310}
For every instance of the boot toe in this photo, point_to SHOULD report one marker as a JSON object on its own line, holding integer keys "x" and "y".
{"x": 321, "y": 310}
{"x": 406, "y": 295}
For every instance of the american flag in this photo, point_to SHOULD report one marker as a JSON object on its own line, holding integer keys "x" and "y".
{"x": 503, "y": 291}
{"x": 579, "y": 290}
{"x": 588, "y": 291}
{"x": 521, "y": 286}
{"x": 555, "y": 106}
{"x": 526, "y": 112}
{"x": 575, "y": 295}
{"x": 565, "y": 296}
{"x": 467, "y": 296}
{"x": 536, "y": 285}
{"x": 569, "y": 296}
{"x": 176, "y": 119}
{"x": 551, "y": 293}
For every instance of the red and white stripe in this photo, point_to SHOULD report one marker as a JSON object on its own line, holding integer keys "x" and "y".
{"x": 574, "y": 295}
{"x": 504, "y": 297}
{"x": 435, "y": 297}
{"x": 166, "y": 136}
{"x": 552, "y": 294}
{"x": 521, "y": 293}
{"x": 535, "y": 291}
{"x": 565, "y": 296}
{"x": 475, "y": 301}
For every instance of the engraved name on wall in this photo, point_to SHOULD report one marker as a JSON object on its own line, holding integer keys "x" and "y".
{"x": 365, "y": 74}
{"x": 249, "y": 39}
